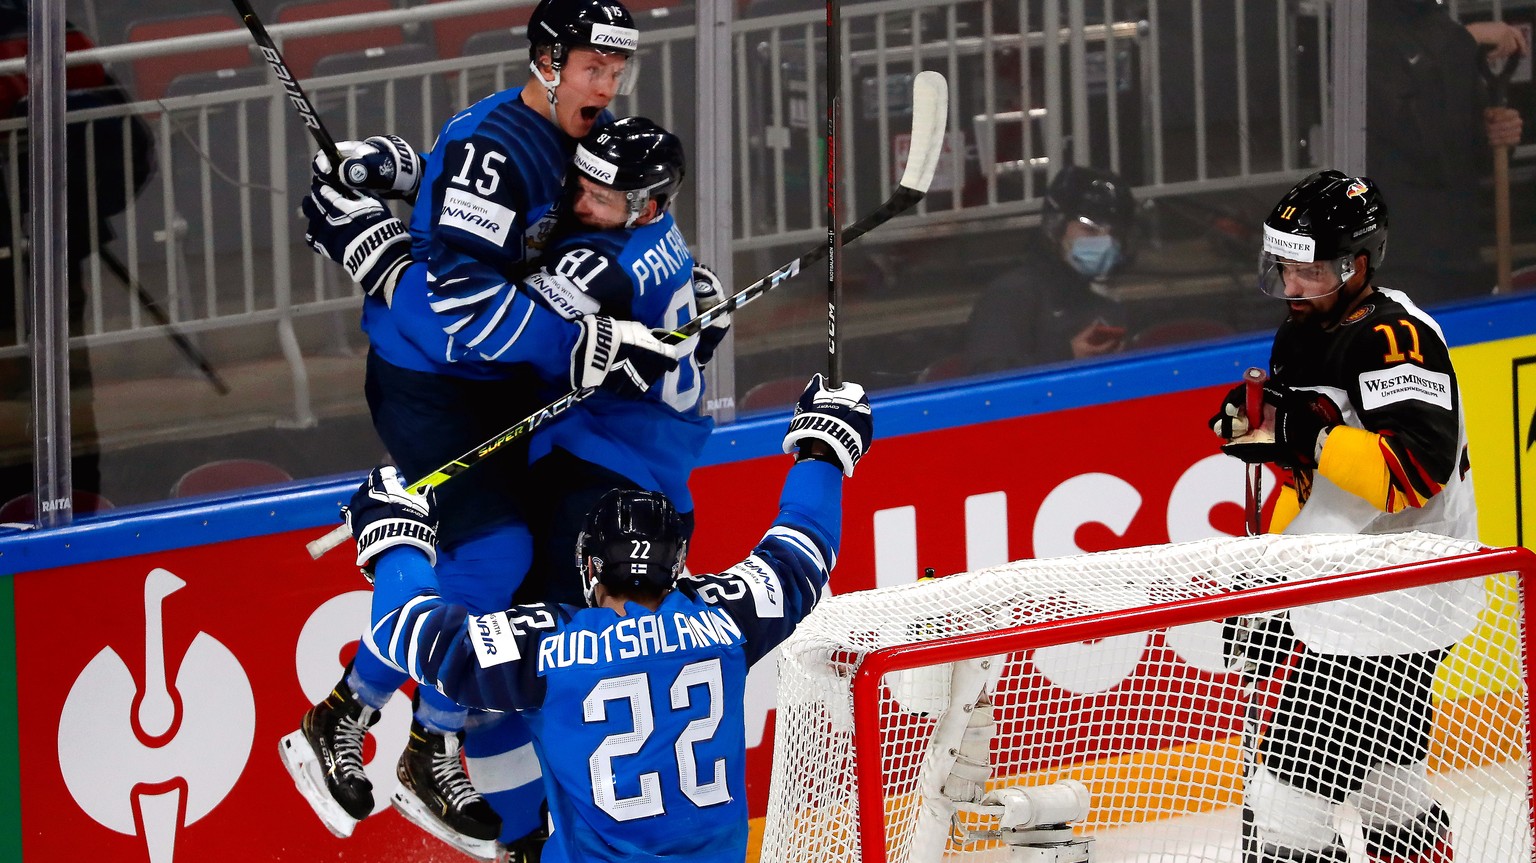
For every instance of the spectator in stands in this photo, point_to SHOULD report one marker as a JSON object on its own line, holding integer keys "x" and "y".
{"x": 1049, "y": 308}
{"x": 116, "y": 180}
{"x": 1429, "y": 138}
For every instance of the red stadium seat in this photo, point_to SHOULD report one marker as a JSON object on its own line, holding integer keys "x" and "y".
{"x": 23, "y": 508}
{"x": 775, "y": 393}
{"x": 303, "y": 52}
{"x": 152, "y": 75}
{"x": 944, "y": 368}
{"x": 1177, "y": 332}
{"x": 228, "y": 475}
{"x": 451, "y": 33}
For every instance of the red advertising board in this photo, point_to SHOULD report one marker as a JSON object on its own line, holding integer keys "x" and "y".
{"x": 154, "y": 688}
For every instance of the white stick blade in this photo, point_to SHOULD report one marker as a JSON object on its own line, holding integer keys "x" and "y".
{"x": 930, "y": 112}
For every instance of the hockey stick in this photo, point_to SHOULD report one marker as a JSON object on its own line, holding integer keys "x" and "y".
{"x": 296, "y": 94}
{"x": 178, "y": 338}
{"x": 834, "y": 221}
{"x": 1253, "y": 500}
{"x": 930, "y": 108}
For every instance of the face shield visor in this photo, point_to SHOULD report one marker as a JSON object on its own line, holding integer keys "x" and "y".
{"x": 1289, "y": 268}
{"x": 608, "y": 41}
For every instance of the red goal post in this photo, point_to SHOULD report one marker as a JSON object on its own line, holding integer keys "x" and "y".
{"x": 884, "y": 695}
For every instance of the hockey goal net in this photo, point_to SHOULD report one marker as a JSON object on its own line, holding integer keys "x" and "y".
{"x": 903, "y": 711}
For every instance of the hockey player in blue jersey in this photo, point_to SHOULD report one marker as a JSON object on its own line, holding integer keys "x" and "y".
{"x": 497, "y": 169}
{"x": 636, "y": 698}
{"x": 629, "y": 261}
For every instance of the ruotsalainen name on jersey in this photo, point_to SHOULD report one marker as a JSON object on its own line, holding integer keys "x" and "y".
{"x": 634, "y": 637}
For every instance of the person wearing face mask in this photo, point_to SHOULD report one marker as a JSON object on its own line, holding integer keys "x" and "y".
{"x": 1047, "y": 309}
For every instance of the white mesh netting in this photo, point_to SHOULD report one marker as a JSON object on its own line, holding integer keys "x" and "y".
{"x": 1154, "y": 722}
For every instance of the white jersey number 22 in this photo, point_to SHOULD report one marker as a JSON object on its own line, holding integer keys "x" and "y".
{"x": 635, "y": 691}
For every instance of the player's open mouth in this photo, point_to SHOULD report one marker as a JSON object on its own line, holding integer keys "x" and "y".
{"x": 590, "y": 112}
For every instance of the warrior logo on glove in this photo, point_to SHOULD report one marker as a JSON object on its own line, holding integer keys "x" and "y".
{"x": 840, "y": 418}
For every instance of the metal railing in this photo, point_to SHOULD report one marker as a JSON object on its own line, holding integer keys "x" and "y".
{"x": 1189, "y": 97}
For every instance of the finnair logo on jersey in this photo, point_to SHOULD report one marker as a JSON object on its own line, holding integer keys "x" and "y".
{"x": 763, "y": 582}
{"x": 601, "y": 170}
{"x": 493, "y": 639}
{"x": 476, "y": 215}
{"x": 617, "y": 38}
{"x": 1292, "y": 247}
{"x": 1398, "y": 384}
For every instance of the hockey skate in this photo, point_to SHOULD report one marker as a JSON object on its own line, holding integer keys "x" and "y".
{"x": 325, "y": 759}
{"x": 436, "y": 795}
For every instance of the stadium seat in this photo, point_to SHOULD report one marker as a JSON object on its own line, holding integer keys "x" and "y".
{"x": 944, "y": 368}
{"x": 451, "y": 34}
{"x": 23, "y": 508}
{"x": 228, "y": 475}
{"x": 303, "y": 52}
{"x": 395, "y": 103}
{"x": 775, "y": 393}
{"x": 152, "y": 76}
{"x": 1180, "y": 331}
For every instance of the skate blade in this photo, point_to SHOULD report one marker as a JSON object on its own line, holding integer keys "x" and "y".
{"x": 304, "y": 766}
{"x": 413, "y": 810}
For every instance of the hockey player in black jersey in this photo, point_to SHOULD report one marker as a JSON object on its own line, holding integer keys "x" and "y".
{"x": 1363, "y": 408}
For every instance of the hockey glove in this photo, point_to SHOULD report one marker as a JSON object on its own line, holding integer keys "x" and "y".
{"x": 839, "y": 418}
{"x": 1231, "y": 420}
{"x": 1301, "y": 420}
{"x": 708, "y": 292}
{"x": 621, "y": 356}
{"x": 360, "y": 234}
{"x": 383, "y": 165}
{"x": 384, "y": 513}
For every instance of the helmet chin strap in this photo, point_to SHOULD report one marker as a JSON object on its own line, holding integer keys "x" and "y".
{"x": 549, "y": 86}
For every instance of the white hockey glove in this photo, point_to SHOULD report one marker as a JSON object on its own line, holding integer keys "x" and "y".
{"x": 384, "y": 513}
{"x": 383, "y": 165}
{"x": 840, "y": 418}
{"x": 623, "y": 356}
{"x": 360, "y": 234}
{"x": 708, "y": 292}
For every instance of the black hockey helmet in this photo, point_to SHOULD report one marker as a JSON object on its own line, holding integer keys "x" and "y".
{"x": 1089, "y": 195}
{"x": 634, "y": 156}
{"x": 634, "y": 542}
{"x": 1330, "y": 218}
{"x": 600, "y": 25}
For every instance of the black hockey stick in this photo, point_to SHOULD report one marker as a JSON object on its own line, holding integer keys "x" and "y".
{"x": 178, "y": 338}
{"x": 930, "y": 100}
{"x": 834, "y": 220}
{"x": 296, "y": 94}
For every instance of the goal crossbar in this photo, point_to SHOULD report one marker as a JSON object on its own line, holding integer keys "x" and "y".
{"x": 870, "y": 675}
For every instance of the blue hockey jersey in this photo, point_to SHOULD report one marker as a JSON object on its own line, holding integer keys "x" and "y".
{"x": 489, "y": 190}
{"x": 637, "y": 717}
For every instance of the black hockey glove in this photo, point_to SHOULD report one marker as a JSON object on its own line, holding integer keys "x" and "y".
{"x": 621, "y": 356}
{"x": 708, "y": 292}
{"x": 1231, "y": 420}
{"x": 360, "y": 234}
{"x": 384, "y": 513}
{"x": 1301, "y": 417}
{"x": 841, "y": 419}
{"x": 383, "y": 165}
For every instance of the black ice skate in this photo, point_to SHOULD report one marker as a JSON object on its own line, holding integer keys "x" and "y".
{"x": 325, "y": 759}
{"x": 436, "y": 795}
